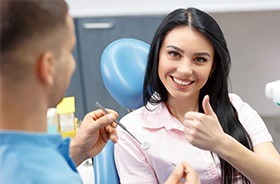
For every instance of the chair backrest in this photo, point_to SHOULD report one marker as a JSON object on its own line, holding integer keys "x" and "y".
{"x": 122, "y": 65}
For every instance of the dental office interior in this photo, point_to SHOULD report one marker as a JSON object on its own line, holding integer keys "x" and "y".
{"x": 250, "y": 27}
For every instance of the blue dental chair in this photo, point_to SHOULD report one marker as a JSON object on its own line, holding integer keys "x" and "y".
{"x": 122, "y": 65}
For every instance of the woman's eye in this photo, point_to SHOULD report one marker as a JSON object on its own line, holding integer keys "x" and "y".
{"x": 174, "y": 54}
{"x": 200, "y": 59}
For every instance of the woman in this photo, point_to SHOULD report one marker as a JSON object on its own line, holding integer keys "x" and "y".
{"x": 189, "y": 114}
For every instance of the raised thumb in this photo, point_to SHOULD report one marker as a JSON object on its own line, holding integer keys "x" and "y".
{"x": 207, "y": 106}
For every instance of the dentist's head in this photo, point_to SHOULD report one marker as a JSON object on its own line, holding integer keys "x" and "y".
{"x": 37, "y": 38}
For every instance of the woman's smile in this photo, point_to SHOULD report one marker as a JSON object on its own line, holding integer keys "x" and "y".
{"x": 181, "y": 84}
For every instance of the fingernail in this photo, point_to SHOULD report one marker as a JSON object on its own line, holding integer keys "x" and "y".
{"x": 115, "y": 139}
{"x": 111, "y": 117}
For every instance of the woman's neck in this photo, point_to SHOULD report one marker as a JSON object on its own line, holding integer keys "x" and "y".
{"x": 178, "y": 107}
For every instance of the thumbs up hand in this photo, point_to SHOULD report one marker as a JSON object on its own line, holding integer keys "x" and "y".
{"x": 203, "y": 130}
{"x": 207, "y": 107}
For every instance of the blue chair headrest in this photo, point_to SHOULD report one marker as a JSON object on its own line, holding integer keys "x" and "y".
{"x": 123, "y": 64}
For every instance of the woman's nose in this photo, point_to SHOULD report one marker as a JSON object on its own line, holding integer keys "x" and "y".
{"x": 185, "y": 67}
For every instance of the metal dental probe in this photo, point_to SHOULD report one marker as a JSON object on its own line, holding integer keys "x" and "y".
{"x": 145, "y": 145}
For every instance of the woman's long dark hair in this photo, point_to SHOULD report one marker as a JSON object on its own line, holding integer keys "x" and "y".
{"x": 216, "y": 86}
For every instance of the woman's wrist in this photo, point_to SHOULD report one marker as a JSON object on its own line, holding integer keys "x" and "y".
{"x": 224, "y": 147}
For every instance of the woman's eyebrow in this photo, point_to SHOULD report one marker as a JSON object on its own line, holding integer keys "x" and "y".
{"x": 202, "y": 54}
{"x": 182, "y": 51}
{"x": 176, "y": 48}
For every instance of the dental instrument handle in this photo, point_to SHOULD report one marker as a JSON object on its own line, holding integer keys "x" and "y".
{"x": 121, "y": 125}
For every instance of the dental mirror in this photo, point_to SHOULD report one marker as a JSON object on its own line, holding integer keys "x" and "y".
{"x": 144, "y": 145}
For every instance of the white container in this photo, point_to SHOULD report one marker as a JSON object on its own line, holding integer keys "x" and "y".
{"x": 52, "y": 121}
{"x": 66, "y": 122}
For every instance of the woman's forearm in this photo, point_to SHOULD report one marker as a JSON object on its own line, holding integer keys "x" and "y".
{"x": 257, "y": 168}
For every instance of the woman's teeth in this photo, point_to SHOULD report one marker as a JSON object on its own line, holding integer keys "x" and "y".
{"x": 180, "y": 82}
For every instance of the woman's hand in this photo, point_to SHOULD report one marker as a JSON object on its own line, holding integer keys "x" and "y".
{"x": 203, "y": 130}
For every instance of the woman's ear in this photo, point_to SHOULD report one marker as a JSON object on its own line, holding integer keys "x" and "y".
{"x": 45, "y": 68}
{"x": 212, "y": 69}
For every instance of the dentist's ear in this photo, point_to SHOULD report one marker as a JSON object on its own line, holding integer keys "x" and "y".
{"x": 45, "y": 68}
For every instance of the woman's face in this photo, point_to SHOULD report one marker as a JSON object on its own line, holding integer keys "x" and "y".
{"x": 185, "y": 62}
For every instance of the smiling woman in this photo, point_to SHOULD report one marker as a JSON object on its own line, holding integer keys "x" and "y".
{"x": 193, "y": 115}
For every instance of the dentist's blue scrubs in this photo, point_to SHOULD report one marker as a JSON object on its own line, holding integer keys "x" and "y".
{"x": 36, "y": 158}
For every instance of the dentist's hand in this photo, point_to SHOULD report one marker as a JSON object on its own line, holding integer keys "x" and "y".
{"x": 203, "y": 130}
{"x": 95, "y": 130}
{"x": 183, "y": 174}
